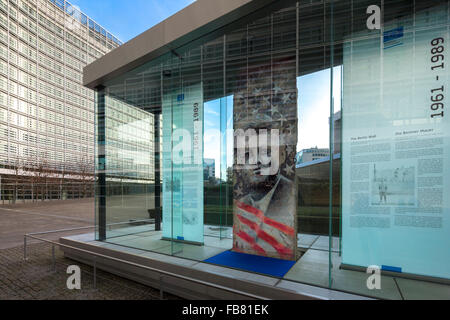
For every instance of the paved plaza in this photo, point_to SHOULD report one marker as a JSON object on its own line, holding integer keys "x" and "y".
{"x": 35, "y": 279}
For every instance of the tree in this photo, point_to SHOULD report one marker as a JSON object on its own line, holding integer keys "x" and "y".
{"x": 62, "y": 168}
{"x": 16, "y": 165}
{"x": 41, "y": 172}
{"x": 29, "y": 171}
{"x": 85, "y": 170}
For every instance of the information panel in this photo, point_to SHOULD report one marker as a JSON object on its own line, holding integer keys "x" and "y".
{"x": 395, "y": 151}
{"x": 183, "y": 165}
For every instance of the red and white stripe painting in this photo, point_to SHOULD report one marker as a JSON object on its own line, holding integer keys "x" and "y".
{"x": 262, "y": 235}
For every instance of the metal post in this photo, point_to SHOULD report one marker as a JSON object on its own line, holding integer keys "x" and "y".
{"x": 95, "y": 274}
{"x": 25, "y": 248}
{"x": 101, "y": 161}
{"x": 161, "y": 291}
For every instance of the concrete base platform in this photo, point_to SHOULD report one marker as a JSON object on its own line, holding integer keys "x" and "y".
{"x": 268, "y": 287}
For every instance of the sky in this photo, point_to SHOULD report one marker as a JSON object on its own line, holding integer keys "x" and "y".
{"x": 314, "y": 107}
{"x": 126, "y": 19}
{"x": 212, "y": 135}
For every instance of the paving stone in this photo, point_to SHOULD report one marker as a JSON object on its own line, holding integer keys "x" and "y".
{"x": 34, "y": 279}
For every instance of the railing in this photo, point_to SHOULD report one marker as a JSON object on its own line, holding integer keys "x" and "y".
{"x": 159, "y": 271}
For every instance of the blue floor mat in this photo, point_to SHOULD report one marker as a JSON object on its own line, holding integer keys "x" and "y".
{"x": 269, "y": 266}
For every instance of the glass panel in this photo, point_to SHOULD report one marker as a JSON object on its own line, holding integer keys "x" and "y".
{"x": 217, "y": 168}
{"x": 394, "y": 149}
{"x": 312, "y": 160}
{"x": 212, "y": 164}
{"x": 128, "y": 153}
{"x": 226, "y": 168}
{"x": 215, "y": 186}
